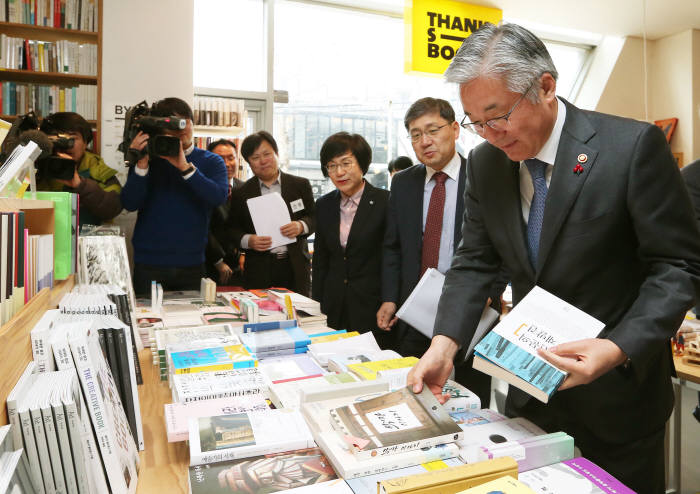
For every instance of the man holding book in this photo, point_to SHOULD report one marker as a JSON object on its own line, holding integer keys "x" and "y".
{"x": 423, "y": 225}
{"x": 591, "y": 208}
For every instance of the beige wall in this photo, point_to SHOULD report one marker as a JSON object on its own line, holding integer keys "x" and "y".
{"x": 673, "y": 66}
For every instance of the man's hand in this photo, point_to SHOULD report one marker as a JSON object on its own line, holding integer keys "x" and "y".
{"x": 74, "y": 182}
{"x": 225, "y": 272}
{"x": 256, "y": 242}
{"x": 385, "y": 316}
{"x": 179, "y": 161}
{"x": 292, "y": 230}
{"x": 434, "y": 367}
{"x": 139, "y": 142}
{"x": 584, "y": 360}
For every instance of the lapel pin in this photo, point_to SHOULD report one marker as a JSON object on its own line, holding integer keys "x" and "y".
{"x": 578, "y": 169}
{"x": 371, "y": 202}
{"x": 582, "y": 158}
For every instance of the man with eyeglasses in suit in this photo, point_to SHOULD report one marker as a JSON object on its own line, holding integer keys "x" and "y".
{"x": 424, "y": 222}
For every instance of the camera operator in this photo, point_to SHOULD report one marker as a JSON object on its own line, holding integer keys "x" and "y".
{"x": 95, "y": 183}
{"x": 174, "y": 197}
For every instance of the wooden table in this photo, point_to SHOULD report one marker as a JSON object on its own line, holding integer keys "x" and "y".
{"x": 163, "y": 465}
{"x": 687, "y": 373}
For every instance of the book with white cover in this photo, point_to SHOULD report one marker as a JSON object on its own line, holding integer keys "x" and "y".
{"x": 228, "y": 437}
{"x": 540, "y": 320}
{"x": 40, "y": 436}
{"x": 51, "y": 435}
{"x": 394, "y": 423}
{"x": 219, "y": 384}
{"x": 61, "y": 427}
{"x": 119, "y": 452}
{"x": 10, "y": 474}
{"x": 178, "y": 415}
{"x": 367, "y": 484}
{"x": 575, "y": 476}
{"x": 24, "y": 382}
{"x": 354, "y": 345}
{"x": 25, "y": 418}
{"x": 290, "y": 368}
{"x": 493, "y": 433}
{"x": 339, "y": 362}
{"x": 289, "y": 394}
{"x": 41, "y": 347}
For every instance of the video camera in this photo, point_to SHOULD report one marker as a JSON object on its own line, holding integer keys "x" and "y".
{"x": 48, "y": 165}
{"x": 140, "y": 118}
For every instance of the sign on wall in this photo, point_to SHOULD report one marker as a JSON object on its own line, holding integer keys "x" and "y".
{"x": 435, "y": 30}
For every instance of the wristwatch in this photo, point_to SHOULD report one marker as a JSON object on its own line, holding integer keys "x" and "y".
{"x": 188, "y": 170}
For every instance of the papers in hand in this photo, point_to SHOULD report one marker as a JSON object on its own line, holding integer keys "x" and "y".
{"x": 420, "y": 308}
{"x": 269, "y": 213}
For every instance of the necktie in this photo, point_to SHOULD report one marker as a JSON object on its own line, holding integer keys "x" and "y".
{"x": 534, "y": 221}
{"x": 433, "y": 224}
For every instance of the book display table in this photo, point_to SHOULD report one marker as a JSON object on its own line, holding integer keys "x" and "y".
{"x": 688, "y": 376}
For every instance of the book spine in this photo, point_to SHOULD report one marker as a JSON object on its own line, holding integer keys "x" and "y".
{"x": 189, "y": 398}
{"x": 394, "y": 462}
{"x": 55, "y": 456}
{"x": 125, "y": 377}
{"x": 65, "y": 448}
{"x": 77, "y": 447}
{"x": 32, "y": 453}
{"x": 42, "y": 449}
{"x": 368, "y": 454}
{"x": 113, "y": 361}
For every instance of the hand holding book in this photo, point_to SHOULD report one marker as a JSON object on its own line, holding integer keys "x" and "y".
{"x": 434, "y": 367}
{"x": 584, "y": 360}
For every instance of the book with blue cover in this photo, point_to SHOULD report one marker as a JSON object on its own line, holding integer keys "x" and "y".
{"x": 540, "y": 320}
{"x": 212, "y": 359}
{"x": 275, "y": 339}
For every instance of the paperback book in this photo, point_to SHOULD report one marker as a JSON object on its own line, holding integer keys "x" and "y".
{"x": 242, "y": 435}
{"x": 290, "y": 368}
{"x": 393, "y": 423}
{"x": 575, "y": 476}
{"x": 219, "y": 384}
{"x": 540, "y": 320}
{"x": 212, "y": 359}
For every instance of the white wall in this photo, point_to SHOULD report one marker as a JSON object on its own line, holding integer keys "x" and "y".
{"x": 146, "y": 55}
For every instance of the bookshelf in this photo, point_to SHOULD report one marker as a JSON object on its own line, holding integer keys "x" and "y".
{"x": 43, "y": 33}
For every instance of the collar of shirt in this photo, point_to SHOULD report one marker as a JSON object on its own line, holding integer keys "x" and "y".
{"x": 189, "y": 150}
{"x": 451, "y": 169}
{"x": 353, "y": 199}
{"x": 277, "y": 182}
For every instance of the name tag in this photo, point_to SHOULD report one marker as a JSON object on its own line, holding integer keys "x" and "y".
{"x": 297, "y": 205}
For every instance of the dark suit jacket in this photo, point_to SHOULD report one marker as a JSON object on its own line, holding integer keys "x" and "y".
{"x": 217, "y": 246}
{"x": 350, "y": 278}
{"x": 619, "y": 241}
{"x": 257, "y": 266}
{"x": 691, "y": 176}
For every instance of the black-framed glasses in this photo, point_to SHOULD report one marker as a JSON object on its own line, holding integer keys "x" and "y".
{"x": 417, "y": 135}
{"x": 497, "y": 123}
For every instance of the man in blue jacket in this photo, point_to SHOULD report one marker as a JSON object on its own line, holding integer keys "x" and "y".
{"x": 174, "y": 197}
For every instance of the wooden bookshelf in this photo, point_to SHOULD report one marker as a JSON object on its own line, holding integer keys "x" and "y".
{"x": 43, "y": 33}
{"x": 12, "y": 118}
{"x": 164, "y": 465}
{"x": 15, "y": 344}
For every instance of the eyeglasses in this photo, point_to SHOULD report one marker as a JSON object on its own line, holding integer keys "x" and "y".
{"x": 417, "y": 135}
{"x": 497, "y": 123}
{"x": 333, "y": 168}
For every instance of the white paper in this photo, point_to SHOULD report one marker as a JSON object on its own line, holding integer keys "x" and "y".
{"x": 269, "y": 213}
{"x": 393, "y": 419}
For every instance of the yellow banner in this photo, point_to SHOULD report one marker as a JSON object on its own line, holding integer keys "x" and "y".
{"x": 435, "y": 30}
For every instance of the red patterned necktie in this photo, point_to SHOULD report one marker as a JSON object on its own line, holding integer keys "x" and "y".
{"x": 433, "y": 224}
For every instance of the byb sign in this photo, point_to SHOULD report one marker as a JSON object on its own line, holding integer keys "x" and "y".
{"x": 435, "y": 30}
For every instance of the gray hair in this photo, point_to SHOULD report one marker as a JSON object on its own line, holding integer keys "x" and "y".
{"x": 508, "y": 52}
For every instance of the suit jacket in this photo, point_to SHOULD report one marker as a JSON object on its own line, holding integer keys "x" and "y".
{"x": 619, "y": 241}
{"x": 691, "y": 176}
{"x": 350, "y": 278}
{"x": 257, "y": 268}
{"x": 217, "y": 246}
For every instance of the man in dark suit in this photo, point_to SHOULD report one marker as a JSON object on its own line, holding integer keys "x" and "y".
{"x": 285, "y": 266}
{"x": 591, "y": 208}
{"x": 221, "y": 256}
{"x": 425, "y": 198}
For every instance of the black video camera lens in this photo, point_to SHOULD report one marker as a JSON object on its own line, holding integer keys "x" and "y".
{"x": 162, "y": 145}
{"x": 61, "y": 142}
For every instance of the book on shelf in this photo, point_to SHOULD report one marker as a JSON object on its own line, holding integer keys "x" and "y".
{"x": 367, "y": 484}
{"x": 62, "y": 56}
{"x": 504, "y": 485}
{"x": 102, "y": 259}
{"x": 368, "y": 370}
{"x": 478, "y": 436}
{"x": 64, "y": 235}
{"x": 242, "y": 435}
{"x": 264, "y": 474}
{"x": 393, "y": 423}
{"x": 44, "y": 99}
{"x": 177, "y": 415}
{"x": 220, "y": 384}
{"x": 116, "y": 442}
{"x": 218, "y": 112}
{"x": 540, "y": 320}
{"x": 452, "y": 479}
{"x": 355, "y": 345}
{"x": 532, "y": 452}
{"x": 349, "y": 466}
{"x": 17, "y": 167}
{"x": 575, "y": 476}
{"x": 212, "y": 359}
{"x": 68, "y": 14}
{"x": 288, "y": 394}
{"x": 290, "y": 368}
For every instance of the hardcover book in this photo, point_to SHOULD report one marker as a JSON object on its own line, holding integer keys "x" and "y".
{"x": 264, "y": 474}
{"x": 575, "y": 476}
{"x": 393, "y": 423}
{"x": 242, "y": 435}
{"x": 178, "y": 415}
{"x": 540, "y": 320}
